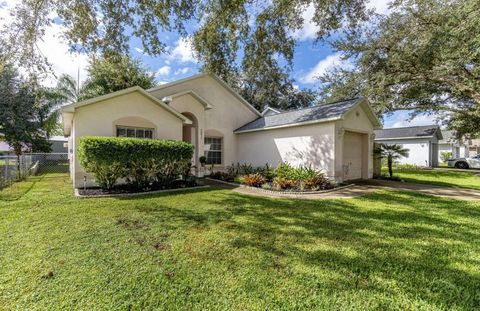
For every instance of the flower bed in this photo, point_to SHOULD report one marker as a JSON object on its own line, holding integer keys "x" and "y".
{"x": 284, "y": 178}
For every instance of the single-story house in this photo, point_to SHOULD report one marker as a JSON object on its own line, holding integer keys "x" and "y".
{"x": 462, "y": 147}
{"x": 204, "y": 111}
{"x": 422, "y": 141}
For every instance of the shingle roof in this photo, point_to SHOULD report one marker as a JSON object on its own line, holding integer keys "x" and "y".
{"x": 409, "y": 132}
{"x": 316, "y": 113}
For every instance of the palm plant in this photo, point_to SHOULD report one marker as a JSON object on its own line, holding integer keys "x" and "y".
{"x": 392, "y": 153}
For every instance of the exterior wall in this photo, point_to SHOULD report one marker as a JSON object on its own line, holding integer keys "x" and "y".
{"x": 320, "y": 145}
{"x": 228, "y": 113}
{"x": 355, "y": 121}
{"x": 445, "y": 148}
{"x": 420, "y": 153}
{"x": 133, "y": 109}
{"x": 300, "y": 145}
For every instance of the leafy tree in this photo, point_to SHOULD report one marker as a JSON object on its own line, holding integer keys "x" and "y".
{"x": 423, "y": 57}
{"x": 249, "y": 44}
{"x": 68, "y": 88}
{"x": 392, "y": 153}
{"x": 114, "y": 73}
{"x": 24, "y": 115}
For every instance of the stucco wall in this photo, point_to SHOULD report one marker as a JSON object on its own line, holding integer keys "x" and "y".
{"x": 227, "y": 114}
{"x": 420, "y": 151}
{"x": 300, "y": 145}
{"x": 133, "y": 109}
{"x": 355, "y": 121}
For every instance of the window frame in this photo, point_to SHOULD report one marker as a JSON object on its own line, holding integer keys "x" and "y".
{"x": 135, "y": 129}
{"x": 221, "y": 150}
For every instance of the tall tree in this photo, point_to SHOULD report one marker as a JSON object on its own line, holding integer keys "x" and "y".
{"x": 112, "y": 73}
{"x": 248, "y": 43}
{"x": 23, "y": 117}
{"x": 423, "y": 57}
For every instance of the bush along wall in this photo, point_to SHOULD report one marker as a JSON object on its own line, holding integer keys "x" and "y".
{"x": 144, "y": 163}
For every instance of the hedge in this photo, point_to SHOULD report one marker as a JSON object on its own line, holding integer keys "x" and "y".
{"x": 142, "y": 162}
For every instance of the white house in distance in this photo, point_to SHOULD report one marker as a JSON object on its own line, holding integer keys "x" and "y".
{"x": 422, "y": 141}
{"x": 204, "y": 111}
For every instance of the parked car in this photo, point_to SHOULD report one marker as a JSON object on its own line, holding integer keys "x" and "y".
{"x": 473, "y": 162}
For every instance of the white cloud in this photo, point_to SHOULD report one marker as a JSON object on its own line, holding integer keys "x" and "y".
{"x": 323, "y": 66}
{"x": 163, "y": 71}
{"x": 402, "y": 119}
{"x": 309, "y": 29}
{"x": 183, "y": 51}
{"x": 53, "y": 48}
{"x": 380, "y": 6}
{"x": 182, "y": 71}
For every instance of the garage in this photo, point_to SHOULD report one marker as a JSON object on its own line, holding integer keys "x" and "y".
{"x": 354, "y": 147}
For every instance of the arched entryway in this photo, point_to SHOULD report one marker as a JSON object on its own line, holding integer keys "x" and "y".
{"x": 190, "y": 134}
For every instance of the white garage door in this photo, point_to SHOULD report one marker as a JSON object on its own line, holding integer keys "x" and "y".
{"x": 352, "y": 155}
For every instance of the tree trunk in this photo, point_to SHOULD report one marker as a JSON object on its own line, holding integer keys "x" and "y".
{"x": 390, "y": 164}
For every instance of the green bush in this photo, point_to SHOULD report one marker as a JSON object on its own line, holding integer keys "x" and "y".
{"x": 300, "y": 178}
{"x": 142, "y": 162}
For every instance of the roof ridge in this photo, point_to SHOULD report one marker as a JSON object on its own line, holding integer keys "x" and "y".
{"x": 311, "y": 107}
{"x": 407, "y": 127}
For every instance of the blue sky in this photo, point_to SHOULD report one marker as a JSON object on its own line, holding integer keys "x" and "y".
{"x": 311, "y": 59}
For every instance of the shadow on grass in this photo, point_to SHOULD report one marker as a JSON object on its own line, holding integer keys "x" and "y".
{"x": 384, "y": 243}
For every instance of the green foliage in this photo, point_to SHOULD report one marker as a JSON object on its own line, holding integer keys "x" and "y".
{"x": 113, "y": 73}
{"x": 392, "y": 152}
{"x": 423, "y": 57}
{"x": 25, "y": 113}
{"x": 445, "y": 156}
{"x": 142, "y": 162}
{"x": 301, "y": 178}
{"x": 239, "y": 179}
{"x": 249, "y": 44}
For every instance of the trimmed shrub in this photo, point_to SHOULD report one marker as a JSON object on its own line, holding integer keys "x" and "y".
{"x": 254, "y": 180}
{"x": 142, "y": 162}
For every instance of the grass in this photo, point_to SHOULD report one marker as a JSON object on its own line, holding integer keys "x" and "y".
{"x": 214, "y": 249}
{"x": 446, "y": 178}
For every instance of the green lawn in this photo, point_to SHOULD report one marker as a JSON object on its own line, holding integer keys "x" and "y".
{"x": 467, "y": 179}
{"x": 214, "y": 249}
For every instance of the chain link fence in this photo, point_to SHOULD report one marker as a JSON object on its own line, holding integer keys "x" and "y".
{"x": 13, "y": 169}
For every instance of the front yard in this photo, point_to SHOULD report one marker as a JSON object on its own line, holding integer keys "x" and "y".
{"x": 440, "y": 177}
{"x": 214, "y": 249}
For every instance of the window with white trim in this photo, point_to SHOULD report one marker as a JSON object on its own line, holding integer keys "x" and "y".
{"x": 137, "y": 132}
{"x": 213, "y": 149}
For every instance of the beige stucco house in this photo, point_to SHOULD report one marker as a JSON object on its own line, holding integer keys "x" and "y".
{"x": 203, "y": 110}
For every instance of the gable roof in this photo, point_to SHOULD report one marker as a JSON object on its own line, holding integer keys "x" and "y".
{"x": 316, "y": 114}
{"x": 192, "y": 93}
{"x": 425, "y": 131}
{"x": 73, "y": 106}
{"x": 220, "y": 81}
{"x": 268, "y": 111}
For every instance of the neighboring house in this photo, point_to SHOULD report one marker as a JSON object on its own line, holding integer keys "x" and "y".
{"x": 58, "y": 144}
{"x": 203, "y": 110}
{"x": 421, "y": 141}
{"x": 463, "y": 147}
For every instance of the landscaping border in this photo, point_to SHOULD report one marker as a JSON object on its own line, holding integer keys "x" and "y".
{"x": 275, "y": 192}
{"x": 133, "y": 194}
